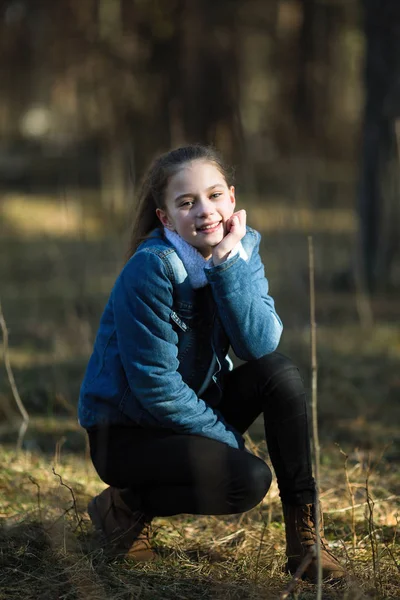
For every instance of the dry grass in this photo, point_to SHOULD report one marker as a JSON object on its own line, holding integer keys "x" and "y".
{"x": 58, "y": 261}
{"x": 47, "y": 549}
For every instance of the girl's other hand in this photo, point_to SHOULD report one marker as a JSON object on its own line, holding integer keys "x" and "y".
{"x": 235, "y": 231}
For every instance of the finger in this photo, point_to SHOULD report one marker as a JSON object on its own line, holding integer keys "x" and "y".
{"x": 235, "y": 223}
{"x": 242, "y": 216}
{"x": 229, "y": 222}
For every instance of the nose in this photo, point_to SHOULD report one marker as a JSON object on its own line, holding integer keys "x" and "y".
{"x": 205, "y": 207}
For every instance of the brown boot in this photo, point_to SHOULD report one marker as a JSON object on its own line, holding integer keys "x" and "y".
{"x": 300, "y": 536}
{"x": 126, "y": 533}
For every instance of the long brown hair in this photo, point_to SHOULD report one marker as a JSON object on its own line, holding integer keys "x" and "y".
{"x": 155, "y": 181}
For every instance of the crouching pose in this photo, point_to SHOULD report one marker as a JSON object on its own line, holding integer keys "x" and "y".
{"x": 164, "y": 410}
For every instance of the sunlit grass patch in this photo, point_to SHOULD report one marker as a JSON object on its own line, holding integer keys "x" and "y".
{"x": 273, "y": 216}
{"x": 46, "y": 539}
{"x": 33, "y": 216}
{"x": 352, "y": 339}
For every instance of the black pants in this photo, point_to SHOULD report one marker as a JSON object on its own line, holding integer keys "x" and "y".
{"x": 165, "y": 473}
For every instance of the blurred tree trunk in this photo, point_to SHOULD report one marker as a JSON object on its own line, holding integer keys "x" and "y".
{"x": 209, "y": 81}
{"x": 113, "y": 163}
{"x": 307, "y": 32}
{"x": 193, "y": 78}
{"x": 15, "y": 66}
{"x": 379, "y": 181}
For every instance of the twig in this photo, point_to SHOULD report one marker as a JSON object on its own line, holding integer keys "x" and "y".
{"x": 229, "y": 538}
{"x": 349, "y": 487}
{"x": 38, "y": 496}
{"x": 14, "y": 389}
{"x": 74, "y": 506}
{"x": 57, "y": 453}
{"x": 347, "y": 508}
{"x": 314, "y": 411}
{"x": 395, "y": 530}
{"x": 392, "y": 556}
{"x": 50, "y": 527}
{"x": 372, "y": 534}
{"x": 311, "y": 554}
{"x": 259, "y": 550}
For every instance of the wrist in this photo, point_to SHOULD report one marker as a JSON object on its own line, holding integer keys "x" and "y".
{"x": 220, "y": 257}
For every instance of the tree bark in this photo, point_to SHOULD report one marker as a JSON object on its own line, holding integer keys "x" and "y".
{"x": 378, "y": 201}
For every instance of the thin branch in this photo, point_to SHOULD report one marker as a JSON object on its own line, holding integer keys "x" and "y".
{"x": 347, "y": 508}
{"x": 38, "y": 496}
{"x": 74, "y": 505}
{"x": 316, "y": 448}
{"x": 392, "y": 556}
{"x": 309, "y": 557}
{"x": 372, "y": 534}
{"x": 57, "y": 453}
{"x": 14, "y": 389}
{"x": 259, "y": 550}
{"x": 351, "y": 493}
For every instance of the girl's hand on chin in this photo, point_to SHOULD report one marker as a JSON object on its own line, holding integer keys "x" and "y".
{"x": 235, "y": 231}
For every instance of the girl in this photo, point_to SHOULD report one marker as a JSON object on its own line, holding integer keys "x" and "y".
{"x": 164, "y": 410}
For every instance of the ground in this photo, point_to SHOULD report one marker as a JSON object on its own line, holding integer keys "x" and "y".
{"x": 58, "y": 259}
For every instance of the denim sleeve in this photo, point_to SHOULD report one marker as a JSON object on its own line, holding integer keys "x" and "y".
{"x": 247, "y": 311}
{"x": 147, "y": 342}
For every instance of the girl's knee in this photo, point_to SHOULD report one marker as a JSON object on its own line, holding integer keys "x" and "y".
{"x": 281, "y": 385}
{"x": 276, "y": 363}
{"x": 257, "y": 482}
{"x": 276, "y": 370}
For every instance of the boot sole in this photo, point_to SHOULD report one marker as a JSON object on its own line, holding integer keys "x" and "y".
{"x": 333, "y": 577}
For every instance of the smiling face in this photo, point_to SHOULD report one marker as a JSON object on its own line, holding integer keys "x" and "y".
{"x": 198, "y": 203}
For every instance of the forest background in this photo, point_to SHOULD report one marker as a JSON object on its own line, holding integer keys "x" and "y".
{"x": 303, "y": 99}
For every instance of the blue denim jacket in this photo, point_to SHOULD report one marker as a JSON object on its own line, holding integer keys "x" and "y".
{"x": 160, "y": 342}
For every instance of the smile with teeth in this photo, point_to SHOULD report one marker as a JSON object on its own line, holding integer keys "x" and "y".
{"x": 209, "y": 228}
